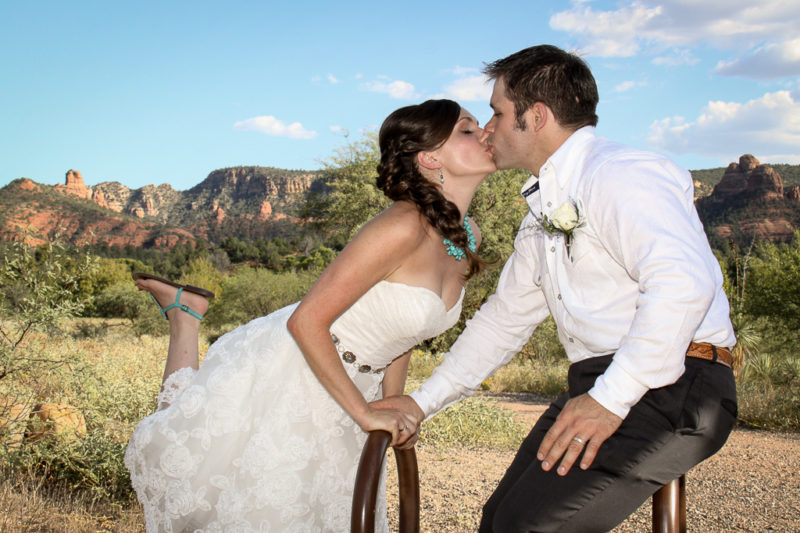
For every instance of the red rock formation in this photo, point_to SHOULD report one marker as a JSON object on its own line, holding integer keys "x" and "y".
{"x": 266, "y": 210}
{"x": 100, "y": 199}
{"x": 751, "y": 179}
{"x": 74, "y": 185}
{"x": 793, "y": 193}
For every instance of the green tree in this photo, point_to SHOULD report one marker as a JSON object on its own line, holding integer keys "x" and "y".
{"x": 773, "y": 282}
{"x": 200, "y": 272}
{"x": 353, "y": 198}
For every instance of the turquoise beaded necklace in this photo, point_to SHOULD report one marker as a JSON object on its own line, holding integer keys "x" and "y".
{"x": 457, "y": 251}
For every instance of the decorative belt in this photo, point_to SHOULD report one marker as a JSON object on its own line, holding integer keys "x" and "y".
{"x": 709, "y": 352}
{"x": 350, "y": 357}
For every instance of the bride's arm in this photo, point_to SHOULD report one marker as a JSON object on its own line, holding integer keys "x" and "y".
{"x": 377, "y": 251}
{"x": 394, "y": 380}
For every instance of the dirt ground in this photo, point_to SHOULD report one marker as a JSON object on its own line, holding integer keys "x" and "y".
{"x": 752, "y": 484}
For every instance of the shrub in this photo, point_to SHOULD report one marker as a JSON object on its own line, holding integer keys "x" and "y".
{"x": 113, "y": 383}
{"x": 538, "y": 376}
{"x": 40, "y": 288}
{"x": 474, "y": 422}
{"x": 122, "y": 300}
{"x": 251, "y": 293}
{"x": 763, "y": 405}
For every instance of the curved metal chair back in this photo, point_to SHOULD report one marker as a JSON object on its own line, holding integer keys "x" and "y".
{"x": 368, "y": 477}
{"x": 669, "y": 507}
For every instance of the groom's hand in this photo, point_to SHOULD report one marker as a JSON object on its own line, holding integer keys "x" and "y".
{"x": 582, "y": 426}
{"x": 407, "y": 405}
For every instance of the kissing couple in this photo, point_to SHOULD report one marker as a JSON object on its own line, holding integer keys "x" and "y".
{"x": 267, "y": 433}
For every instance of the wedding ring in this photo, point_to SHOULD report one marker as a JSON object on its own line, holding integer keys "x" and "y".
{"x": 579, "y": 440}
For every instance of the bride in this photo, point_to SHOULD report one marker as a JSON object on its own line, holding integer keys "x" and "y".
{"x": 266, "y": 435}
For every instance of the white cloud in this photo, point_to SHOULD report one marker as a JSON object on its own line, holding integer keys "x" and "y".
{"x": 396, "y": 89}
{"x": 470, "y": 89}
{"x": 657, "y": 25}
{"x": 606, "y": 33}
{"x": 628, "y": 85}
{"x": 330, "y": 77}
{"x": 772, "y": 60}
{"x": 463, "y": 71}
{"x": 768, "y": 127}
{"x": 272, "y": 126}
{"x": 676, "y": 57}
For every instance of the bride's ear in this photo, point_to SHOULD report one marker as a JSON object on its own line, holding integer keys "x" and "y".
{"x": 427, "y": 160}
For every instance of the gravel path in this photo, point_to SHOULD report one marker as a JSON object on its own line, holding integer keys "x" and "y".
{"x": 752, "y": 484}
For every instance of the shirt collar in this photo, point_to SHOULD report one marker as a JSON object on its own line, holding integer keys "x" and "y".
{"x": 563, "y": 161}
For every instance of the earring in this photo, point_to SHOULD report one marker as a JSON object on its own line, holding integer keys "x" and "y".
{"x": 441, "y": 176}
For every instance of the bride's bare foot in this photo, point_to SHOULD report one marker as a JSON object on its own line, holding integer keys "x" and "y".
{"x": 165, "y": 295}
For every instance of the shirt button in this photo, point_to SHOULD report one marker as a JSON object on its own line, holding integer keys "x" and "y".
{"x": 571, "y": 339}
{"x": 559, "y": 296}
{"x": 549, "y": 204}
{"x": 552, "y": 248}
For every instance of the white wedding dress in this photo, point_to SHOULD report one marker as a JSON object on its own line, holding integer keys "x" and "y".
{"x": 253, "y": 442}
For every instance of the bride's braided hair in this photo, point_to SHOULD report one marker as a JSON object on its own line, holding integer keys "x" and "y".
{"x": 406, "y": 132}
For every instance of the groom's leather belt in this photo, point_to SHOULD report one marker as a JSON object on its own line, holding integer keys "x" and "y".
{"x": 709, "y": 352}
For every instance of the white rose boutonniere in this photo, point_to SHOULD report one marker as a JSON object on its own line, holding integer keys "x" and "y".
{"x": 565, "y": 220}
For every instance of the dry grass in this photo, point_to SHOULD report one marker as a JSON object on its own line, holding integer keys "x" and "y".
{"x": 27, "y": 507}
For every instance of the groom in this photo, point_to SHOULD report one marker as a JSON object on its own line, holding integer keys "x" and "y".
{"x": 613, "y": 249}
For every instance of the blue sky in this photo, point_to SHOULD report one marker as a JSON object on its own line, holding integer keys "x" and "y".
{"x": 153, "y": 92}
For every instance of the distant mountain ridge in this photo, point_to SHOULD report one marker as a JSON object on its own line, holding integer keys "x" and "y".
{"x": 745, "y": 199}
{"x": 246, "y": 202}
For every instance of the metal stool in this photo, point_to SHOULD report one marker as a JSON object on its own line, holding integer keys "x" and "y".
{"x": 669, "y": 507}
{"x": 368, "y": 476}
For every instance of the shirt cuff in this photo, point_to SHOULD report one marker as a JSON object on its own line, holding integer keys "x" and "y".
{"x": 617, "y": 390}
{"x": 435, "y": 394}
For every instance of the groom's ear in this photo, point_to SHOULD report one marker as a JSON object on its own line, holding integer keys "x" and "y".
{"x": 427, "y": 160}
{"x": 537, "y": 116}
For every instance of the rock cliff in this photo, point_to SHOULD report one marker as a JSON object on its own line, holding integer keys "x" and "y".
{"x": 750, "y": 201}
{"x": 247, "y": 202}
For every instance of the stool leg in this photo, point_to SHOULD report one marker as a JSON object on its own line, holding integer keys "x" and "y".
{"x": 669, "y": 507}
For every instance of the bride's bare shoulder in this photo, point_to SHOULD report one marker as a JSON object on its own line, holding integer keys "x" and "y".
{"x": 401, "y": 221}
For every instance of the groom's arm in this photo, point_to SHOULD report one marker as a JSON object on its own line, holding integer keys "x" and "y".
{"x": 491, "y": 338}
{"x": 649, "y": 226}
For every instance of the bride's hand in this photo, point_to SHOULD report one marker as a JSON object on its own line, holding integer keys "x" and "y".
{"x": 400, "y": 425}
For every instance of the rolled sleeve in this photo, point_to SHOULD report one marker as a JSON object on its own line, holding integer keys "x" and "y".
{"x": 651, "y": 228}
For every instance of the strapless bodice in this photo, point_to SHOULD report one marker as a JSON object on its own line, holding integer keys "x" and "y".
{"x": 389, "y": 319}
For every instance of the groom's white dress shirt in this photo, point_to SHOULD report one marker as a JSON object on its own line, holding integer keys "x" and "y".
{"x": 639, "y": 279}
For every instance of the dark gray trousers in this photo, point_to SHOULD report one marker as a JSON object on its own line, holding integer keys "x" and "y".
{"x": 669, "y": 431}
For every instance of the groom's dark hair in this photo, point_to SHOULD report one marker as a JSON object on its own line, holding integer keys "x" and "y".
{"x": 545, "y": 73}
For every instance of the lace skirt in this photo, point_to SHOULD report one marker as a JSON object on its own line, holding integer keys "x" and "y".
{"x": 250, "y": 442}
